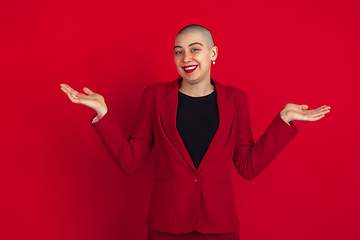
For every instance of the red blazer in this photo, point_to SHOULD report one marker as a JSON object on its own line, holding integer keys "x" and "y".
{"x": 184, "y": 199}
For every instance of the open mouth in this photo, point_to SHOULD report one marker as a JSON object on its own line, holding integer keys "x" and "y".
{"x": 189, "y": 69}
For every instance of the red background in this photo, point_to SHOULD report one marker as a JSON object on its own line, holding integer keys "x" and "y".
{"x": 57, "y": 180}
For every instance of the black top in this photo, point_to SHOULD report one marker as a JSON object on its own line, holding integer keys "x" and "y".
{"x": 197, "y": 121}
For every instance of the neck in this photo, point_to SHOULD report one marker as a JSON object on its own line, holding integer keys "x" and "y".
{"x": 198, "y": 89}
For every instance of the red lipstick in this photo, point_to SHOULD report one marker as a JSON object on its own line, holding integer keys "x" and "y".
{"x": 192, "y": 68}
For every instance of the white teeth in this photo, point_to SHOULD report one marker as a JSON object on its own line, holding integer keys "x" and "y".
{"x": 190, "y": 68}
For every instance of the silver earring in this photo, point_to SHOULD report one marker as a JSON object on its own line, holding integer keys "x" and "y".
{"x": 213, "y": 61}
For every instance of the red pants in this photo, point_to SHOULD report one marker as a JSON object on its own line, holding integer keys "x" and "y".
{"x": 154, "y": 235}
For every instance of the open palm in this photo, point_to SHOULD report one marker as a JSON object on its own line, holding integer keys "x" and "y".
{"x": 296, "y": 112}
{"x": 88, "y": 98}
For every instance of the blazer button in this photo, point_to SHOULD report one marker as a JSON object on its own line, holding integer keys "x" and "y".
{"x": 195, "y": 179}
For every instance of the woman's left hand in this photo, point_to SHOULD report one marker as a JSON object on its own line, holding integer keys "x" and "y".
{"x": 293, "y": 112}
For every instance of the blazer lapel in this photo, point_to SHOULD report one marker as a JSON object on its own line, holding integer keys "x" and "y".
{"x": 226, "y": 115}
{"x": 168, "y": 111}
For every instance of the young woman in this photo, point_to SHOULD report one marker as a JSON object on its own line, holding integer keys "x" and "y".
{"x": 198, "y": 128}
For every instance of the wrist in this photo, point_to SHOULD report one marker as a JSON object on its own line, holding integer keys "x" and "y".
{"x": 284, "y": 116}
{"x": 101, "y": 112}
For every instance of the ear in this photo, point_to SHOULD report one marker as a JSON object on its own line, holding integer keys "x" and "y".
{"x": 214, "y": 52}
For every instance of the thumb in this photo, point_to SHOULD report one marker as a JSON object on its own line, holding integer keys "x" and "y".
{"x": 87, "y": 91}
{"x": 304, "y": 107}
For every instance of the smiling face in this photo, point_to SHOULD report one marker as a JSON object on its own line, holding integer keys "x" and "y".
{"x": 193, "y": 57}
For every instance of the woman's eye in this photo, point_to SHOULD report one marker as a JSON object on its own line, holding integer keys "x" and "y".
{"x": 195, "y": 49}
{"x": 178, "y": 52}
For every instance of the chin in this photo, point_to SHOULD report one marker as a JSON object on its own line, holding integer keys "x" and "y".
{"x": 190, "y": 80}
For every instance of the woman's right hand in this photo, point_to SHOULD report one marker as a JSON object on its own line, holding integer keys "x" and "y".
{"x": 90, "y": 99}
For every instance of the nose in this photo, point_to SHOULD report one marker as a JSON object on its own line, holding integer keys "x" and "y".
{"x": 187, "y": 57}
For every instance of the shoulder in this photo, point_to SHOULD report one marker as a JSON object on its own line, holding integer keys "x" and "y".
{"x": 163, "y": 86}
{"x": 156, "y": 87}
{"x": 236, "y": 96}
{"x": 234, "y": 92}
{"x": 158, "y": 91}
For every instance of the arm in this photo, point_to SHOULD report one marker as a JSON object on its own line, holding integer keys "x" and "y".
{"x": 251, "y": 158}
{"x": 130, "y": 153}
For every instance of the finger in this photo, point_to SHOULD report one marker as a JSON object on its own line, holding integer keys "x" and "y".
{"x": 304, "y": 107}
{"x": 87, "y": 91}
{"x": 313, "y": 119}
{"x": 70, "y": 89}
{"x": 323, "y": 111}
{"x": 63, "y": 85}
{"x": 64, "y": 88}
{"x": 74, "y": 95}
{"x": 67, "y": 89}
{"x": 79, "y": 99}
{"x": 324, "y": 107}
{"x": 68, "y": 92}
{"x": 73, "y": 92}
{"x": 315, "y": 114}
{"x": 72, "y": 98}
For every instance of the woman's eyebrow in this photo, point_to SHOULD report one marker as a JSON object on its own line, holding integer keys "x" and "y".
{"x": 194, "y": 43}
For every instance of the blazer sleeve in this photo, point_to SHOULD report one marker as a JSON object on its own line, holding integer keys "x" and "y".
{"x": 251, "y": 158}
{"x": 129, "y": 154}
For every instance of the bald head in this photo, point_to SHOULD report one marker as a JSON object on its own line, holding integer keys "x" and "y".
{"x": 194, "y": 28}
